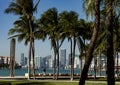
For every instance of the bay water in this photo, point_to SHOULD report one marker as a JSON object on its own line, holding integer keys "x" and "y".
{"x": 22, "y": 71}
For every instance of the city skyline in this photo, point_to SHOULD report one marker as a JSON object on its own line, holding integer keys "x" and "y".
{"x": 41, "y": 48}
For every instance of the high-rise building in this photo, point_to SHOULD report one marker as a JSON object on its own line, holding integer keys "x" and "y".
{"x": 47, "y": 62}
{"x": 38, "y": 62}
{"x": 23, "y": 61}
{"x": 76, "y": 61}
{"x": 69, "y": 59}
{"x": 4, "y": 60}
{"x": 63, "y": 58}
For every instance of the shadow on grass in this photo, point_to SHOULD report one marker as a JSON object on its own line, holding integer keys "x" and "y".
{"x": 3, "y": 83}
{"x": 35, "y": 83}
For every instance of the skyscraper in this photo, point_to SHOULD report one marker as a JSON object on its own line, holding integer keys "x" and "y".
{"x": 63, "y": 58}
{"x": 47, "y": 62}
{"x": 22, "y": 59}
{"x": 69, "y": 59}
{"x": 38, "y": 62}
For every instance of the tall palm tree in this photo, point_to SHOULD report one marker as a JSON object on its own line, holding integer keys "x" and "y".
{"x": 69, "y": 25}
{"x": 84, "y": 33}
{"x": 49, "y": 21}
{"x": 116, "y": 40}
{"x": 89, "y": 56}
{"x": 111, "y": 8}
{"x": 25, "y": 8}
{"x": 109, "y": 34}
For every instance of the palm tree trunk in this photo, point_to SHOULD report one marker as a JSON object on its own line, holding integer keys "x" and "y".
{"x": 95, "y": 67}
{"x": 81, "y": 63}
{"x": 99, "y": 63}
{"x": 57, "y": 59}
{"x": 30, "y": 49}
{"x": 12, "y": 57}
{"x": 84, "y": 48}
{"x": 71, "y": 71}
{"x": 92, "y": 43}
{"x": 33, "y": 61}
{"x": 110, "y": 57}
{"x": 54, "y": 67}
{"x": 117, "y": 68}
{"x": 81, "y": 53}
{"x": 29, "y": 60}
{"x": 73, "y": 58}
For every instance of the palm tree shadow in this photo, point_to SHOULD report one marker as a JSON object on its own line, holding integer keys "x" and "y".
{"x": 3, "y": 83}
{"x": 35, "y": 83}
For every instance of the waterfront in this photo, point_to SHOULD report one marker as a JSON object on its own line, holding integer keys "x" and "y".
{"x": 22, "y": 71}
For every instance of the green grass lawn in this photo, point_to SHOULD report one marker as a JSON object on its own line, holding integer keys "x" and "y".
{"x": 21, "y": 82}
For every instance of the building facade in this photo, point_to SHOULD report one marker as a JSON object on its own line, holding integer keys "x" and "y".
{"x": 4, "y": 60}
{"x": 38, "y": 62}
{"x": 23, "y": 61}
{"x": 63, "y": 58}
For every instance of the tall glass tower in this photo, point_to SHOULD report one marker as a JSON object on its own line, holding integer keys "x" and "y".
{"x": 63, "y": 58}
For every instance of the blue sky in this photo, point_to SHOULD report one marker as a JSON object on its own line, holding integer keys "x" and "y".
{"x": 41, "y": 48}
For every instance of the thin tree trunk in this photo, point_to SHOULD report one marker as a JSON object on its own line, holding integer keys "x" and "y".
{"x": 71, "y": 71}
{"x": 99, "y": 63}
{"x": 12, "y": 57}
{"x": 54, "y": 70}
{"x": 81, "y": 64}
{"x": 73, "y": 58}
{"x": 29, "y": 60}
{"x": 57, "y": 59}
{"x": 84, "y": 48}
{"x": 33, "y": 60}
{"x": 30, "y": 49}
{"x": 92, "y": 43}
{"x": 81, "y": 53}
{"x": 117, "y": 69}
{"x": 95, "y": 67}
{"x": 110, "y": 57}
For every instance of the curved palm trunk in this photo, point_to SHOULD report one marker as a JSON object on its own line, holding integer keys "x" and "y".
{"x": 89, "y": 55}
{"x": 12, "y": 57}
{"x": 109, "y": 33}
{"x": 30, "y": 48}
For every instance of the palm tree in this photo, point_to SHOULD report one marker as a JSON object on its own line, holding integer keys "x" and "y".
{"x": 69, "y": 24}
{"x": 109, "y": 33}
{"x": 25, "y": 8}
{"x": 89, "y": 56}
{"x": 49, "y": 21}
{"x": 116, "y": 40}
{"x": 84, "y": 33}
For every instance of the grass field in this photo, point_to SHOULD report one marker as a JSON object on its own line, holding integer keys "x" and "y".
{"x": 23, "y": 82}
